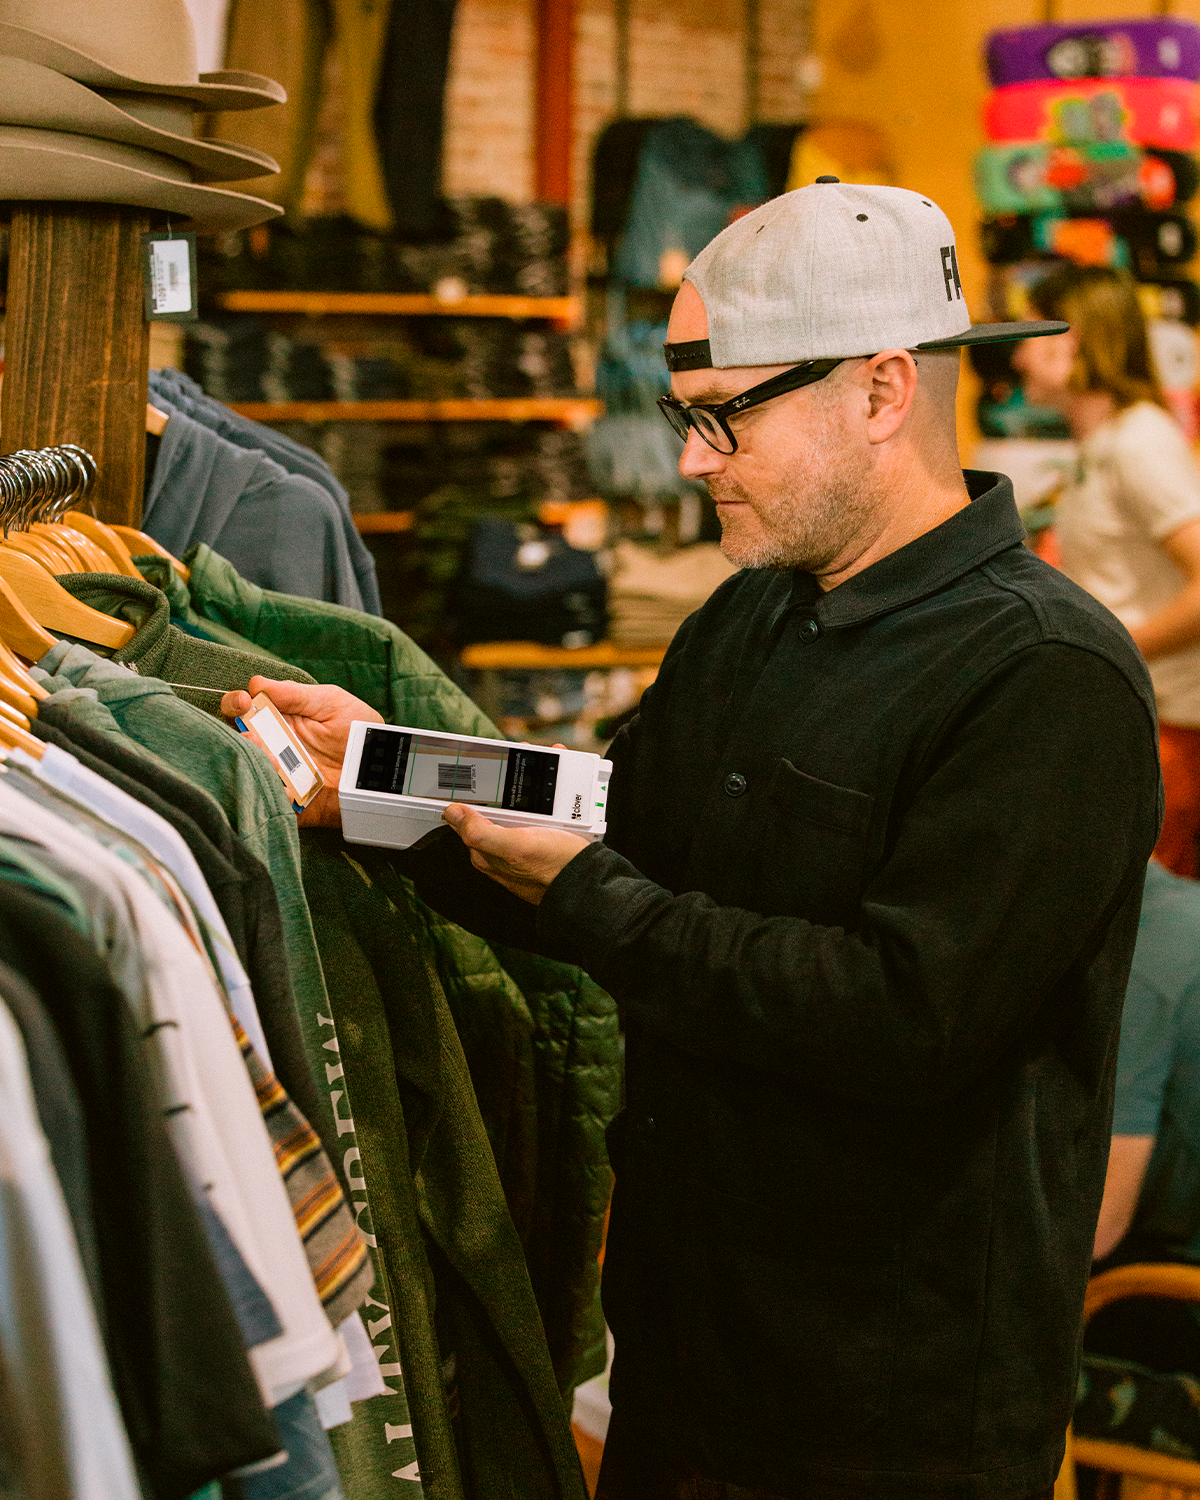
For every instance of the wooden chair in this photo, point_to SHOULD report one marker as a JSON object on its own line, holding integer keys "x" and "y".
{"x": 1133, "y": 1473}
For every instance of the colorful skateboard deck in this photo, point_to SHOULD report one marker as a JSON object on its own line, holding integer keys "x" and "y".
{"x": 1034, "y": 177}
{"x": 1091, "y": 111}
{"x": 1161, "y": 47}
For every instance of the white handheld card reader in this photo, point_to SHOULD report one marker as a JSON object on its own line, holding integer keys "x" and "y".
{"x": 397, "y": 782}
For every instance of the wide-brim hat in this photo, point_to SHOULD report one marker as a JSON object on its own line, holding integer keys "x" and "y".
{"x": 54, "y": 166}
{"x": 42, "y": 99}
{"x": 143, "y": 46}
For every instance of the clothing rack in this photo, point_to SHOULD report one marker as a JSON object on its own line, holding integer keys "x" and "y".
{"x": 42, "y": 484}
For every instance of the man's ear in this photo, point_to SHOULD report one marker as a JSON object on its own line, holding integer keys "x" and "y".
{"x": 892, "y": 387}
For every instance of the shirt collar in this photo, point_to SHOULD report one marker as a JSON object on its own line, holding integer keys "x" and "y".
{"x": 990, "y": 524}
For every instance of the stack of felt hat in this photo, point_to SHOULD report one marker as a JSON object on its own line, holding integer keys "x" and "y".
{"x": 1091, "y": 129}
{"x": 98, "y": 100}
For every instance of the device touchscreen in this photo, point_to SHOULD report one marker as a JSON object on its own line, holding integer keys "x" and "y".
{"x": 417, "y": 765}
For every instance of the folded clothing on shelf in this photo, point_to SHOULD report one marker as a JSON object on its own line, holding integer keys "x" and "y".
{"x": 523, "y": 582}
{"x": 480, "y": 245}
{"x": 651, "y": 593}
{"x": 498, "y": 460}
{"x": 238, "y": 357}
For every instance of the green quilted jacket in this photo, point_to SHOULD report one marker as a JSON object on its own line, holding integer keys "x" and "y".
{"x": 540, "y": 1038}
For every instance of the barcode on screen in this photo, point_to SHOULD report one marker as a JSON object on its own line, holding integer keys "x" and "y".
{"x": 289, "y": 760}
{"x": 452, "y": 778}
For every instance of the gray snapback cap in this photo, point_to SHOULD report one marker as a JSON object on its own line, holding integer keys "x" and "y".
{"x": 834, "y": 271}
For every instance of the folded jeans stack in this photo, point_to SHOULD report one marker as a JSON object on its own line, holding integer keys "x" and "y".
{"x": 651, "y": 595}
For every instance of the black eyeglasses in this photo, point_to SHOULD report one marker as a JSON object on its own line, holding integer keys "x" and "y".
{"x": 712, "y": 422}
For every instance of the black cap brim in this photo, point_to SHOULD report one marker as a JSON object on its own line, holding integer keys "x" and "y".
{"x": 998, "y": 333}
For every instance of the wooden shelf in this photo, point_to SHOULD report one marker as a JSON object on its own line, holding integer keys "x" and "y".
{"x": 575, "y": 412}
{"x": 499, "y": 656}
{"x": 563, "y": 311}
{"x": 384, "y": 522}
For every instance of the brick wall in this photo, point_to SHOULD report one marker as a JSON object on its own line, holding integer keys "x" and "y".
{"x": 687, "y": 60}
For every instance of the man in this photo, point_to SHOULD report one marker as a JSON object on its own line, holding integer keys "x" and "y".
{"x": 868, "y": 899}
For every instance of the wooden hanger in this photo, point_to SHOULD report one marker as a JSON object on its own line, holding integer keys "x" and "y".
{"x": 17, "y": 698}
{"x": 14, "y": 731}
{"x": 19, "y": 631}
{"x": 93, "y": 559}
{"x": 12, "y": 670}
{"x": 45, "y": 552}
{"x": 108, "y": 539}
{"x": 51, "y": 606}
{"x": 18, "y": 738}
{"x": 138, "y": 541}
{"x": 156, "y": 420}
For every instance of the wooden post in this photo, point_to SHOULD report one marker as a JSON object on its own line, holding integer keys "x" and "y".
{"x": 77, "y": 343}
{"x": 555, "y": 97}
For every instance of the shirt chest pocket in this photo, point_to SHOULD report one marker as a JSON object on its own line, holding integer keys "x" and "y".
{"x": 813, "y": 849}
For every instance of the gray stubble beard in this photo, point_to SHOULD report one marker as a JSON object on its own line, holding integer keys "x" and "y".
{"x": 808, "y": 526}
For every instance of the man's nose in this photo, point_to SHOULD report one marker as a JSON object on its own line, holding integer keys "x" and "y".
{"x": 698, "y": 459}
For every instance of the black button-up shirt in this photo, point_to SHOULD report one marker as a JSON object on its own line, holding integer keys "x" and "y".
{"x": 868, "y": 901}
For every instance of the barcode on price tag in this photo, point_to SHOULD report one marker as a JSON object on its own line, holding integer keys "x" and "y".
{"x": 263, "y": 724}
{"x": 170, "y": 276}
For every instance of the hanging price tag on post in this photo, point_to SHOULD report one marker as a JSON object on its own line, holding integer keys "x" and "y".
{"x": 169, "y": 259}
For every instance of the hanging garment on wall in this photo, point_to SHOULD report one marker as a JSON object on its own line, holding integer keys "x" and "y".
{"x": 854, "y": 150}
{"x": 525, "y": 583}
{"x": 410, "y": 110}
{"x": 615, "y": 159}
{"x": 185, "y": 395}
{"x": 1162, "y": 47}
{"x": 690, "y": 183}
{"x": 286, "y": 41}
{"x": 1142, "y": 111}
{"x": 360, "y": 36}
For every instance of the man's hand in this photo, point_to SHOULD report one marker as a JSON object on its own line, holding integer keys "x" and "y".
{"x": 320, "y": 718}
{"x": 523, "y": 860}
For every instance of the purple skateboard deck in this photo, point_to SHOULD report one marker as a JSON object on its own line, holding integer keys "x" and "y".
{"x": 1162, "y": 47}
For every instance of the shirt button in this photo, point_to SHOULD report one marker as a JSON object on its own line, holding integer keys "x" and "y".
{"x": 646, "y": 1127}
{"x": 809, "y": 631}
{"x": 735, "y": 784}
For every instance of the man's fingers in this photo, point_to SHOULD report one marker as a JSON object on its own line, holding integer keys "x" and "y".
{"x": 233, "y": 704}
{"x": 476, "y": 831}
{"x": 321, "y": 702}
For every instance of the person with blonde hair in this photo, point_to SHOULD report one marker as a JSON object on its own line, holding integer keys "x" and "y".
{"x": 1128, "y": 524}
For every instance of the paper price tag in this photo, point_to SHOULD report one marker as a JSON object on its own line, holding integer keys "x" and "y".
{"x": 170, "y": 267}
{"x": 263, "y": 724}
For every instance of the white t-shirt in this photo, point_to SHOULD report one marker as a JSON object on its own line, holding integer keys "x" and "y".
{"x": 1136, "y": 483}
